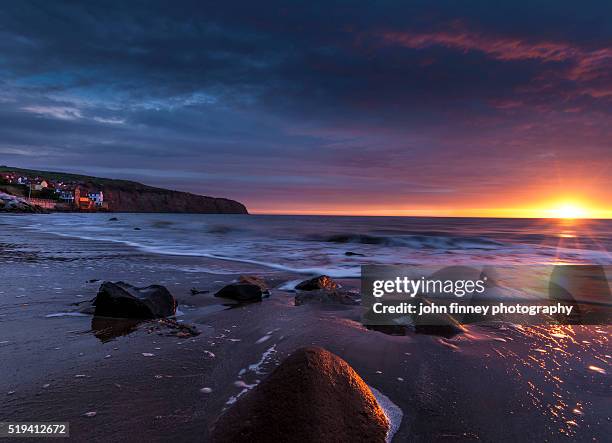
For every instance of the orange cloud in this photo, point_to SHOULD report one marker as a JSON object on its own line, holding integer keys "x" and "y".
{"x": 499, "y": 48}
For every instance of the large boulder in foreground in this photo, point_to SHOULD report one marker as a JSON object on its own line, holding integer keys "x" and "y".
{"x": 126, "y": 301}
{"x": 316, "y": 283}
{"x": 337, "y": 296}
{"x": 312, "y": 396}
{"x": 241, "y": 292}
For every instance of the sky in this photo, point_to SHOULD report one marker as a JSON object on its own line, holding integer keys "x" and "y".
{"x": 460, "y": 108}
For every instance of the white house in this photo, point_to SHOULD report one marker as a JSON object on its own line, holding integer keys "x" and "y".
{"x": 97, "y": 197}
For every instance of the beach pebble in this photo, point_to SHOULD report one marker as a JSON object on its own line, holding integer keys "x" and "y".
{"x": 45, "y": 386}
{"x": 206, "y": 390}
{"x": 147, "y": 354}
{"x": 90, "y": 414}
{"x": 10, "y": 392}
{"x": 209, "y": 354}
{"x": 108, "y": 356}
{"x": 400, "y": 379}
{"x": 80, "y": 376}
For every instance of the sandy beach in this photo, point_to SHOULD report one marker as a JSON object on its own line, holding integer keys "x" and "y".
{"x": 306, "y": 222}
{"x": 145, "y": 383}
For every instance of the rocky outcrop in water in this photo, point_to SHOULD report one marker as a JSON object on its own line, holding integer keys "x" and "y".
{"x": 313, "y": 396}
{"x": 123, "y": 300}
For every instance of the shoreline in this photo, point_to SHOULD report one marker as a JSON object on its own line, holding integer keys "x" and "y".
{"x": 431, "y": 379}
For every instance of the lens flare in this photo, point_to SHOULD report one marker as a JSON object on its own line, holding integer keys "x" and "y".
{"x": 568, "y": 210}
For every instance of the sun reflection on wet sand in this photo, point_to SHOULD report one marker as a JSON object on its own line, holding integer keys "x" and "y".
{"x": 556, "y": 364}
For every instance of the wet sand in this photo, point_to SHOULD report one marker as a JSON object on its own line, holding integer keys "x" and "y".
{"x": 491, "y": 384}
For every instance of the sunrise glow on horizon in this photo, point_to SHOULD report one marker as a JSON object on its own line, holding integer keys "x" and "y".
{"x": 556, "y": 210}
{"x": 386, "y": 110}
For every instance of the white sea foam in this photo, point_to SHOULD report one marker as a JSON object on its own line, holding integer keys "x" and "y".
{"x": 289, "y": 285}
{"x": 246, "y": 388}
{"x": 66, "y": 314}
{"x": 392, "y": 411}
{"x": 256, "y": 367}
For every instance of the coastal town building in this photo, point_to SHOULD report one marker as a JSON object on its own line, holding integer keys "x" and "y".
{"x": 96, "y": 197}
{"x": 66, "y": 196}
{"x": 89, "y": 201}
{"x": 40, "y": 186}
{"x": 51, "y": 194}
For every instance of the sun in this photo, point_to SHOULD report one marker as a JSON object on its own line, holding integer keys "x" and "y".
{"x": 568, "y": 210}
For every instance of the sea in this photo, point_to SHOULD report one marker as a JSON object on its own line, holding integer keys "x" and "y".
{"x": 547, "y": 382}
{"x": 335, "y": 245}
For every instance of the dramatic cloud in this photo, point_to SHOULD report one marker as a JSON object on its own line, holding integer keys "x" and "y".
{"x": 581, "y": 65}
{"x": 290, "y": 106}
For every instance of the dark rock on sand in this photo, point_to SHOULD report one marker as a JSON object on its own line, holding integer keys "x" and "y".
{"x": 446, "y": 331}
{"x": 137, "y": 229}
{"x": 399, "y": 330}
{"x": 322, "y": 296}
{"x": 241, "y": 292}
{"x": 106, "y": 329}
{"x": 312, "y": 396}
{"x": 254, "y": 280}
{"x": 113, "y": 219}
{"x": 320, "y": 282}
{"x": 126, "y": 301}
{"x": 353, "y": 254}
{"x": 441, "y": 325}
{"x": 181, "y": 330}
{"x": 196, "y": 291}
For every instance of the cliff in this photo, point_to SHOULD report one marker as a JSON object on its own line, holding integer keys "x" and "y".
{"x": 129, "y": 196}
{"x": 149, "y": 199}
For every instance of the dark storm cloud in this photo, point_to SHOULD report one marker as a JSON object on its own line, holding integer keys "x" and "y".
{"x": 237, "y": 98}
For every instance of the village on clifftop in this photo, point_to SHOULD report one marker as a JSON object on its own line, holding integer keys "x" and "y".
{"x": 51, "y": 194}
